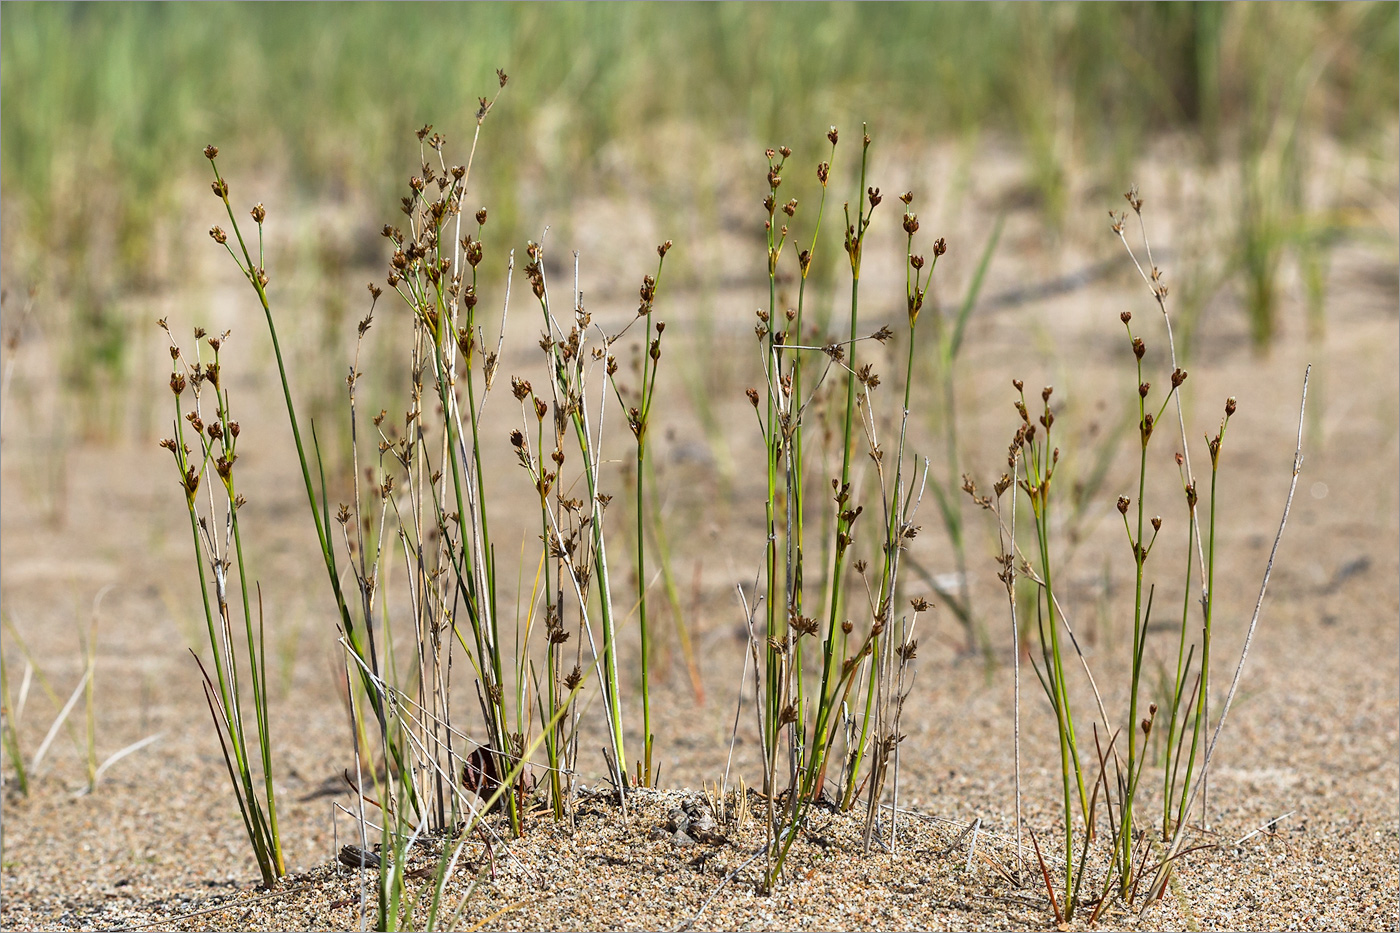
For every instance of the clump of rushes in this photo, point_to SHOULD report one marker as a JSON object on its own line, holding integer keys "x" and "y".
{"x": 807, "y": 711}
{"x": 205, "y": 445}
{"x": 439, "y": 515}
{"x": 425, "y": 496}
{"x": 1032, "y": 459}
{"x": 574, "y": 529}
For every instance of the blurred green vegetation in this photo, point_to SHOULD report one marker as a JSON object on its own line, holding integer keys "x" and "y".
{"x": 122, "y": 95}
{"x": 106, "y": 105}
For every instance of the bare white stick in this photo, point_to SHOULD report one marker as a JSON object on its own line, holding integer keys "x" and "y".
{"x": 119, "y": 755}
{"x": 1266, "y": 828}
{"x": 58, "y": 722}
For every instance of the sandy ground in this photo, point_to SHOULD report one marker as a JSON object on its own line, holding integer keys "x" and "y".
{"x": 95, "y": 530}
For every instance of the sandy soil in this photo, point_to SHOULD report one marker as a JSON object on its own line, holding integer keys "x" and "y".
{"x": 96, "y": 530}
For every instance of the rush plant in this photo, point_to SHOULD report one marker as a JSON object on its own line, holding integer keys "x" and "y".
{"x": 1111, "y": 771}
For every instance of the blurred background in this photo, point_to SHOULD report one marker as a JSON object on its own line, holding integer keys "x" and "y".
{"x": 1264, "y": 136}
{"x": 106, "y": 108}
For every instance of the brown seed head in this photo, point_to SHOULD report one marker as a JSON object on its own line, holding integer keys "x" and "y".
{"x": 832, "y": 135}
{"x": 1123, "y": 503}
{"x": 1143, "y": 389}
{"x": 259, "y": 213}
{"x": 220, "y": 188}
{"x": 1229, "y": 406}
{"x": 911, "y": 224}
{"x": 211, "y": 152}
{"x": 1134, "y": 201}
{"x": 1139, "y": 348}
{"x": 940, "y": 246}
{"x": 1178, "y": 377}
{"x": 873, "y": 194}
{"x": 218, "y": 235}
{"x": 1156, "y": 523}
{"x": 753, "y": 396}
{"x": 663, "y": 249}
{"x": 1126, "y": 316}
